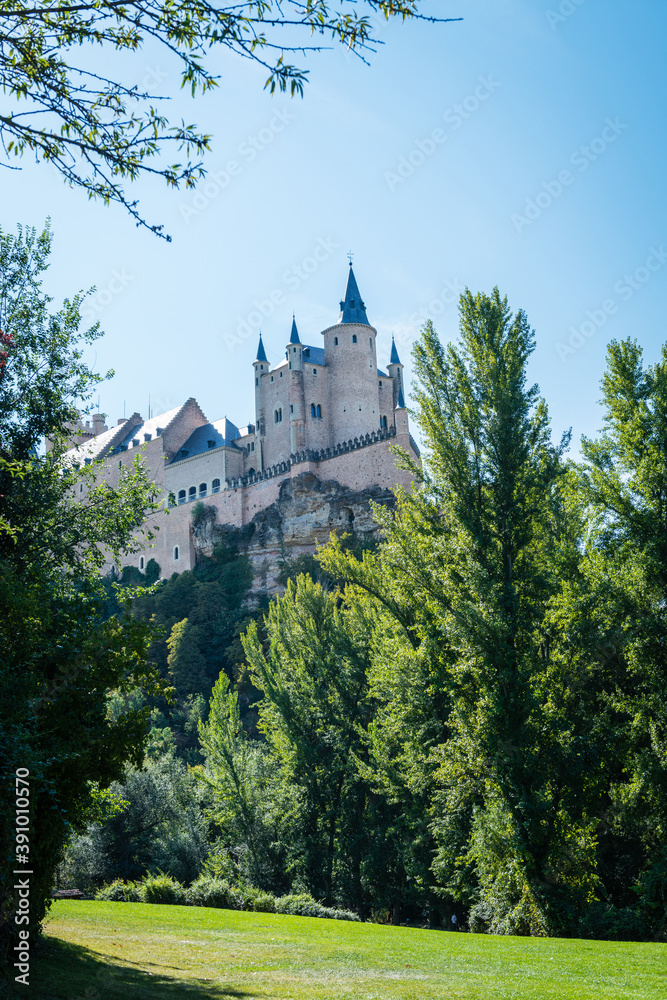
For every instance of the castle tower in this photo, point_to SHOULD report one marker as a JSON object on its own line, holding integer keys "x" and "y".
{"x": 395, "y": 371}
{"x": 297, "y": 405}
{"x": 401, "y": 418}
{"x": 261, "y": 366}
{"x": 350, "y": 352}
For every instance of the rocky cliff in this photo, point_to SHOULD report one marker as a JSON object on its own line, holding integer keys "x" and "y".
{"x": 303, "y": 517}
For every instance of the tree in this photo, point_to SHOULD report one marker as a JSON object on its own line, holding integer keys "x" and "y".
{"x": 60, "y": 651}
{"x": 99, "y": 131}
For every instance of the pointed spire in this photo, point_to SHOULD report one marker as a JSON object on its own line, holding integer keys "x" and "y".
{"x": 352, "y": 309}
{"x": 394, "y": 359}
{"x": 294, "y": 335}
{"x": 261, "y": 353}
{"x": 400, "y": 405}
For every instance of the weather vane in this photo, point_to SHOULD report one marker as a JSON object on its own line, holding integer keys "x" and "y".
{"x": 350, "y": 255}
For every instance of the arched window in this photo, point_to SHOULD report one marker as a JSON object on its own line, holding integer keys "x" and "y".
{"x": 141, "y": 562}
{"x": 314, "y": 371}
{"x": 181, "y": 496}
{"x": 203, "y": 489}
{"x": 175, "y": 553}
{"x": 318, "y": 413}
{"x": 251, "y": 472}
{"x": 312, "y": 410}
{"x": 215, "y": 486}
{"x": 278, "y": 415}
{"x": 354, "y": 338}
{"x": 383, "y": 421}
{"x": 192, "y": 493}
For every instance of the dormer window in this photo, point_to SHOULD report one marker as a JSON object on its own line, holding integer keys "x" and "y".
{"x": 211, "y": 444}
{"x": 147, "y": 437}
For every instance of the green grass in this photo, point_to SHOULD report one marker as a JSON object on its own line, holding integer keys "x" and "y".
{"x": 131, "y": 951}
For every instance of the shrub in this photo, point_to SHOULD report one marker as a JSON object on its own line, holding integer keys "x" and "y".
{"x": 208, "y": 890}
{"x": 120, "y": 892}
{"x": 259, "y": 901}
{"x": 162, "y": 889}
{"x": 303, "y": 905}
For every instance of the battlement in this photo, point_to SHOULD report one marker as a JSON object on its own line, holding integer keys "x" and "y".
{"x": 314, "y": 455}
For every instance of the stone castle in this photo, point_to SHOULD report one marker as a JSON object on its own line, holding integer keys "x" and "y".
{"x": 318, "y": 451}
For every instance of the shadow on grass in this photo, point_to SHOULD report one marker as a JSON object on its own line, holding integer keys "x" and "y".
{"x": 64, "y": 971}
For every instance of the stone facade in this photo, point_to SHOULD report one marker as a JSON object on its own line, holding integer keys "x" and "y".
{"x": 326, "y": 418}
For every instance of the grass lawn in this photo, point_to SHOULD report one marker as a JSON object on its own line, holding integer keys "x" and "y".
{"x": 132, "y": 951}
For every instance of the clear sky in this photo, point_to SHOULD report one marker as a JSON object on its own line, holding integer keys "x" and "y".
{"x": 523, "y": 147}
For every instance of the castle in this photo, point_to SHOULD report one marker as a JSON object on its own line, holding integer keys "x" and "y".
{"x": 324, "y": 415}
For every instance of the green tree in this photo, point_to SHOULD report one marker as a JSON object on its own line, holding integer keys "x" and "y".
{"x": 59, "y": 650}
{"x": 99, "y": 131}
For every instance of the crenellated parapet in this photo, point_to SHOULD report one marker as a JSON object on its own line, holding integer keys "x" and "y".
{"x": 317, "y": 456}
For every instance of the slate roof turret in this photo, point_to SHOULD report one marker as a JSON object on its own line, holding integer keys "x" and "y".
{"x": 352, "y": 308}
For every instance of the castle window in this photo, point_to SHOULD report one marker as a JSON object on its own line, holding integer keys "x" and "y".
{"x": 380, "y": 383}
{"x": 291, "y": 407}
{"x": 80, "y": 487}
{"x": 192, "y": 493}
{"x": 383, "y": 422}
{"x": 158, "y": 432}
{"x": 215, "y": 486}
{"x": 335, "y": 341}
{"x": 181, "y": 496}
{"x": 147, "y": 437}
{"x": 314, "y": 371}
{"x": 272, "y": 378}
{"x": 354, "y": 338}
{"x": 256, "y": 381}
{"x": 251, "y": 472}
{"x": 312, "y": 410}
{"x": 135, "y": 442}
{"x": 281, "y": 374}
{"x": 141, "y": 562}
{"x": 120, "y": 465}
{"x": 370, "y": 343}
{"x": 278, "y": 415}
{"x": 316, "y": 411}
{"x": 203, "y": 489}
{"x": 175, "y": 553}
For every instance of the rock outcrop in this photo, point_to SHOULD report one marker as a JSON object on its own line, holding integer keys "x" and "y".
{"x": 305, "y": 514}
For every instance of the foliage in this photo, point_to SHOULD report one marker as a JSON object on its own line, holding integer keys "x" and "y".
{"x": 60, "y": 650}
{"x": 158, "y": 828}
{"x": 162, "y": 888}
{"x": 99, "y": 130}
{"x": 119, "y": 891}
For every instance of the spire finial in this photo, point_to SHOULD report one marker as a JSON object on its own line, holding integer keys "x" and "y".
{"x": 350, "y": 255}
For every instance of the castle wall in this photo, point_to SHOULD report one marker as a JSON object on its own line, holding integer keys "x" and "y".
{"x": 363, "y": 468}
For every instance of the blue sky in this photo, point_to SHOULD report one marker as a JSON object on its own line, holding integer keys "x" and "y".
{"x": 523, "y": 147}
